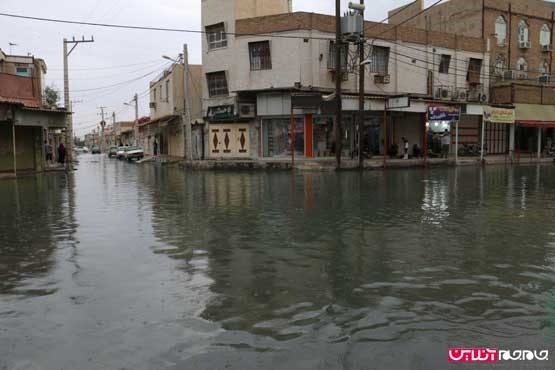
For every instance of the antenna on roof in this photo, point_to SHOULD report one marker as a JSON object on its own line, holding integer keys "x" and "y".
{"x": 11, "y": 46}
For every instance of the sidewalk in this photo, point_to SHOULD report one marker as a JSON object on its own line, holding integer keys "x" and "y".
{"x": 328, "y": 164}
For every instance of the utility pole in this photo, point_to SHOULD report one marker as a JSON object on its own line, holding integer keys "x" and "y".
{"x": 187, "y": 109}
{"x": 136, "y": 125}
{"x": 362, "y": 70}
{"x": 102, "y": 125}
{"x": 69, "y": 129}
{"x": 338, "y": 79}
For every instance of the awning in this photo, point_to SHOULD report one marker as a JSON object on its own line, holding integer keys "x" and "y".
{"x": 535, "y": 115}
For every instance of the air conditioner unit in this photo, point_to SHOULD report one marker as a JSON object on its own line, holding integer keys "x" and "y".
{"x": 524, "y": 44}
{"x": 509, "y": 75}
{"x": 461, "y": 95}
{"x": 381, "y": 79}
{"x": 247, "y": 110}
{"x": 546, "y": 48}
{"x": 152, "y": 105}
{"x": 544, "y": 79}
{"x": 442, "y": 93}
{"x": 344, "y": 75}
{"x": 521, "y": 75}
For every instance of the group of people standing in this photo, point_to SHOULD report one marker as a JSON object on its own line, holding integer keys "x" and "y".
{"x": 49, "y": 151}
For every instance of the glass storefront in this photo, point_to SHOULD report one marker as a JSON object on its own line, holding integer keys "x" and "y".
{"x": 276, "y": 136}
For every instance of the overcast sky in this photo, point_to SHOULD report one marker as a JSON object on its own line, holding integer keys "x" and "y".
{"x": 119, "y": 56}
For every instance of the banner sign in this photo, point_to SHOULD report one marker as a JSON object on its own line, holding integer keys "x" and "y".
{"x": 222, "y": 112}
{"x": 499, "y": 115}
{"x": 443, "y": 113}
{"x": 397, "y": 102}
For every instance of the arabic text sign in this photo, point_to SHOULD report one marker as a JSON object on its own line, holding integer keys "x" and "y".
{"x": 499, "y": 115}
{"x": 443, "y": 113}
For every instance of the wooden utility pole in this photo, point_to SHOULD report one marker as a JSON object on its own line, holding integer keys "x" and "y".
{"x": 338, "y": 79}
{"x": 362, "y": 70}
{"x": 102, "y": 125}
{"x": 69, "y": 119}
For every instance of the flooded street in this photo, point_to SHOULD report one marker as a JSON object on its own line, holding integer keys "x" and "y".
{"x": 124, "y": 266}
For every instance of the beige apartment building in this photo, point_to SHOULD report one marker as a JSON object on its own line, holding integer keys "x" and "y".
{"x": 165, "y": 129}
{"x": 257, "y": 67}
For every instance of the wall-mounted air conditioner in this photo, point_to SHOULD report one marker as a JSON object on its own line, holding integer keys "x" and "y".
{"x": 442, "y": 93}
{"x": 546, "y": 48}
{"x": 524, "y": 44}
{"x": 509, "y": 75}
{"x": 461, "y": 95}
{"x": 381, "y": 79}
{"x": 544, "y": 79}
{"x": 247, "y": 110}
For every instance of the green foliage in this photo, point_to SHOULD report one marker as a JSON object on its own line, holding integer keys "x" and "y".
{"x": 52, "y": 96}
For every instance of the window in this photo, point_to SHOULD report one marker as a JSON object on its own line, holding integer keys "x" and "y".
{"x": 523, "y": 31}
{"x": 544, "y": 68}
{"x": 344, "y": 56}
{"x": 379, "y": 60}
{"x": 545, "y": 35}
{"x": 23, "y": 71}
{"x": 260, "y": 55}
{"x": 500, "y": 30}
{"x": 217, "y": 84}
{"x": 154, "y": 95}
{"x": 474, "y": 70}
{"x": 167, "y": 90}
{"x": 521, "y": 65}
{"x": 216, "y": 36}
{"x": 499, "y": 64}
{"x": 444, "y": 63}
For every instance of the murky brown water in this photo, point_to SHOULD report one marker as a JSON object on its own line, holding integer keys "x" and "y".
{"x": 124, "y": 266}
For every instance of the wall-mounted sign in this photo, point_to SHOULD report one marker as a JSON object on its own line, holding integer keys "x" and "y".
{"x": 396, "y": 102}
{"x": 499, "y": 115}
{"x": 221, "y": 112}
{"x": 443, "y": 113}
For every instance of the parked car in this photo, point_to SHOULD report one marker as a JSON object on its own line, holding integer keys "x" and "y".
{"x": 95, "y": 150}
{"x": 113, "y": 152}
{"x": 134, "y": 152}
{"x": 81, "y": 149}
{"x": 120, "y": 154}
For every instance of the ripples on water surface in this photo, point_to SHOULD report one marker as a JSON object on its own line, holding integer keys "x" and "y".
{"x": 137, "y": 267}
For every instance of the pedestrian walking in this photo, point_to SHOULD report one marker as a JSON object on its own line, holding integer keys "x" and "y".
{"x": 48, "y": 151}
{"x": 61, "y": 153}
{"x": 445, "y": 143}
{"x": 405, "y": 148}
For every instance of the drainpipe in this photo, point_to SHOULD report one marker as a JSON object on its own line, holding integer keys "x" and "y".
{"x": 539, "y": 143}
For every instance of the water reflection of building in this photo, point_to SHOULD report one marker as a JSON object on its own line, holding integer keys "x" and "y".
{"x": 37, "y": 218}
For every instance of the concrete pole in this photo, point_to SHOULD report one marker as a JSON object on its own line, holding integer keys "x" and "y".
{"x": 136, "y": 125}
{"x": 512, "y": 140}
{"x": 457, "y": 142}
{"x": 483, "y": 135}
{"x": 361, "y": 78}
{"x": 338, "y": 78}
{"x": 69, "y": 119}
{"x": 187, "y": 117}
{"x": 539, "y": 142}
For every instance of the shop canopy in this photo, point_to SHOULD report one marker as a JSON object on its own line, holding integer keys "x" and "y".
{"x": 535, "y": 115}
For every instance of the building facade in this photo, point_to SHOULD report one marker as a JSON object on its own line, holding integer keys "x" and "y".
{"x": 27, "y": 124}
{"x": 519, "y": 34}
{"x": 258, "y": 70}
{"x": 165, "y": 130}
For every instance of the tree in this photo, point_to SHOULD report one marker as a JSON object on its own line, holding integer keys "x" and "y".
{"x": 52, "y": 96}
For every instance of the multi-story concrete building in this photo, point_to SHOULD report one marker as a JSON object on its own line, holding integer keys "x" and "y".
{"x": 519, "y": 34}
{"x": 165, "y": 130}
{"x": 259, "y": 59}
{"x": 26, "y": 122}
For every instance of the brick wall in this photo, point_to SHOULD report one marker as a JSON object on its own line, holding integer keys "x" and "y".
{"x": 326, "y": 23}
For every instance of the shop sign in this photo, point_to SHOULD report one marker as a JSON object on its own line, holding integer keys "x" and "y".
{"x": 397, "y": 102}
{"x": 443, "y": 113}
{"x": 499, "y": 115}
{"x": 221, "y": 112}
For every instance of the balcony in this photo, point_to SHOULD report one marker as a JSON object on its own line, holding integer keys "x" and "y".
{"x": 522, "y": 92}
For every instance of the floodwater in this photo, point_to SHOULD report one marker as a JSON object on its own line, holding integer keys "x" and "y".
{"x": 125, "y": 266}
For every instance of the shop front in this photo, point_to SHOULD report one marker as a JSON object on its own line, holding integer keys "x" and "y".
{"x": 535, "y": 129}
{"x": 442, "y": 134}
{"x": 498, "y": 129}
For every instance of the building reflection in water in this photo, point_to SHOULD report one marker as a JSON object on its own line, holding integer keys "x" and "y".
{"x": 37, "y": 219}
